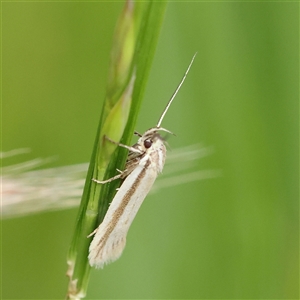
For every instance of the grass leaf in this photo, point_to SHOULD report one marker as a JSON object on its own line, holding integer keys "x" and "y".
{"x": 133, "y": 49}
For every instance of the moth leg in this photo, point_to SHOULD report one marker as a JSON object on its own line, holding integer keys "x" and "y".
{"x": 132, "y": 149}
{"x": 109, "y": 179}
{"x": 138, "y": 134}
{"x": 92, "y": 233}
{"x": 124, "y": 173}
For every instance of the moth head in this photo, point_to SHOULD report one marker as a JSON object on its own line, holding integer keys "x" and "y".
{"x": 152, "y": 139}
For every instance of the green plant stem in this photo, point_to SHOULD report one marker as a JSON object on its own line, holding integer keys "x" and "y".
{"x": 131, "y": 58}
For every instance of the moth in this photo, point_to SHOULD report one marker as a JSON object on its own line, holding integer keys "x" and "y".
{"x": 144, "y": 162}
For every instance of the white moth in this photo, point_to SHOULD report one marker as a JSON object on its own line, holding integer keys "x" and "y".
{"x": 145, "y": 160}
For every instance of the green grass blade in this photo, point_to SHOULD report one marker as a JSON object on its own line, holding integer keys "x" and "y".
{"x": 133, "y": 49}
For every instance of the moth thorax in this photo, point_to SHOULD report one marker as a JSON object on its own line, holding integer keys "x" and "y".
{"x": 158, "y": 152}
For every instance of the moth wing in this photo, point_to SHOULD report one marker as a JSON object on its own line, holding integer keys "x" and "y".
{"x": 110, "y": 238}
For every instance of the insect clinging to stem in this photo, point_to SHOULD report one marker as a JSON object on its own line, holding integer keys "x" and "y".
{"x": 144, "y": 162}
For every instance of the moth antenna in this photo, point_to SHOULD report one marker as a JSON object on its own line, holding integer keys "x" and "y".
{"x": 175, "y": 93}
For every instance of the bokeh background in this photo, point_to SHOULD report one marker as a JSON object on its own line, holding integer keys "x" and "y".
{"x": 234, "y": 236}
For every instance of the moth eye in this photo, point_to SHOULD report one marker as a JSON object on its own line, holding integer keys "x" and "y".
{"x": 147, "y": 143}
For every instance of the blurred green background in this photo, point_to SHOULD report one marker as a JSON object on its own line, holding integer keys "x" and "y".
{"x": 235, "y": 236}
